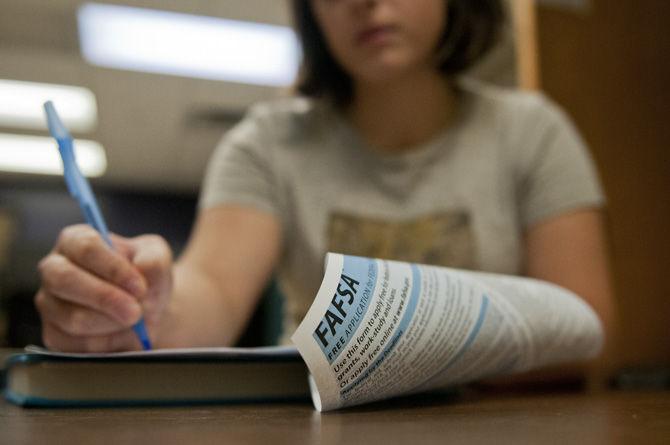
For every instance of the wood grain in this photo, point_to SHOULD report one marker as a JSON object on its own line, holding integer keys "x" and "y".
{"x": 473, "y": 418}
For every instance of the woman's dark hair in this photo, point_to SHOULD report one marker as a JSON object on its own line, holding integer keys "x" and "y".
{"x": 472, "y": 28}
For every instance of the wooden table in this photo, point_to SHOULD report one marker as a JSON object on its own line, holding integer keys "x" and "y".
{"x": 566, "y": 418}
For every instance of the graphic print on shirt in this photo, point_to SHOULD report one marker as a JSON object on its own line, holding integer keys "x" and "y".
{"x": 442, "y": 239}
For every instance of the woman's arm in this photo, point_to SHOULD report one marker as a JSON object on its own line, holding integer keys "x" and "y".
{"x": 571, "y": 251}
{"x": 218, "y": 280}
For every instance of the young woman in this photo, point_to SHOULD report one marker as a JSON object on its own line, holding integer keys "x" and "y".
{"x": 385, "y": 154}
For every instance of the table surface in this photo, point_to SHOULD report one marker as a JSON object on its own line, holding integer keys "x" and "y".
{"x": 471, "y": 417}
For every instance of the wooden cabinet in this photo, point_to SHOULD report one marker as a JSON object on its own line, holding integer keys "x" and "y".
{"x": 609, "y": 67}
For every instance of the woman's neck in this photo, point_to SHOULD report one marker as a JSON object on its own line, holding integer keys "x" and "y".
{"x": 401, "y": 114}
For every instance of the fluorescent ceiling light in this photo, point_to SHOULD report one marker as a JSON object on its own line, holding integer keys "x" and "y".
{"x": 164, "y": 42}
{"x": 37, "y": 154}
{"x": 21, "y": 105}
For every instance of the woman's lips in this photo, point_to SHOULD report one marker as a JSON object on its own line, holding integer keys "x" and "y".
{"x": 375, "y": 35}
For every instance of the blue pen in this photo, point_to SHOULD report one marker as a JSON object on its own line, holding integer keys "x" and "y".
{"x": 81, "y": 191}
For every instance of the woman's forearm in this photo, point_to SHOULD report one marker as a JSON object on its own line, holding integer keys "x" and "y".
{"x": 199, "y": 312}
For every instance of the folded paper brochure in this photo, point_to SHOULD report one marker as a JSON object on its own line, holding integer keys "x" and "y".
{"x": 379, "y": 329}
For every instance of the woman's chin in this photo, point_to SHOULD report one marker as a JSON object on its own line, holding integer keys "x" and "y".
{"x": 384, "y": 68}
{"x": 383, "y": 75}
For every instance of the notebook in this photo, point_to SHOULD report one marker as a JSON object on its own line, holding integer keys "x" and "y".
{"x": 39, "y": 377}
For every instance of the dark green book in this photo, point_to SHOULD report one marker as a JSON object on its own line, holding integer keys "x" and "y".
{"x": 161, "y": 377}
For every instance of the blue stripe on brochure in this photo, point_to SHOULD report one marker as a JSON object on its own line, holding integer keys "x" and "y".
{"x": 471, "y": 338}
{"x": 400, "y": 330}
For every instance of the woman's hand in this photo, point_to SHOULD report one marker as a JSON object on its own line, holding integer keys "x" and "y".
{"x": 92, "y": 295}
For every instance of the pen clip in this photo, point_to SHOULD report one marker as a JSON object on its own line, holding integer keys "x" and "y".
{"x": 71, "y": 172}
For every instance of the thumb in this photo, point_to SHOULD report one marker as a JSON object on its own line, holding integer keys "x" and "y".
{"x": 153, "y": 258}
{"x": 122, "y": 245}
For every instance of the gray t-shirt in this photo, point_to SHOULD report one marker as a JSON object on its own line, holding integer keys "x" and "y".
{"x": 463, "y": 199}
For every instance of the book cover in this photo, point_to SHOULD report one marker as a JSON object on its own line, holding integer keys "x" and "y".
{"x": 161, "y": 377}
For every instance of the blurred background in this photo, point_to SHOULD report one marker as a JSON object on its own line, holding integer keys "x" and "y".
{"x": 148, "y": 87}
